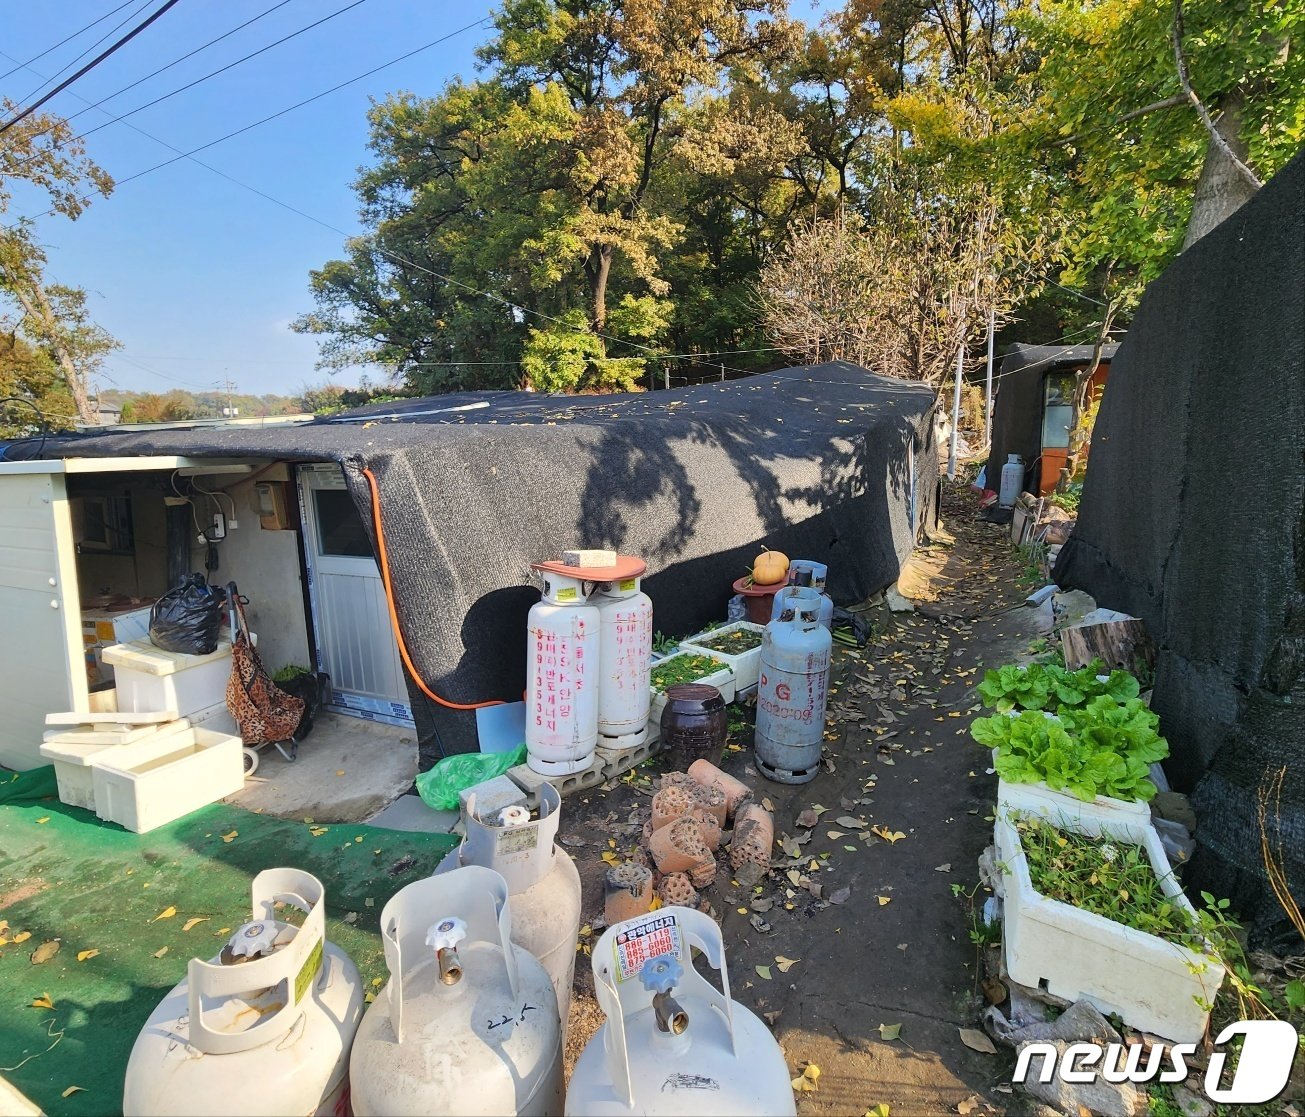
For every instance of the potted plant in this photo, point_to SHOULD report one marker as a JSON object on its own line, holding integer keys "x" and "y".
{"x": 687, "y": 667}
{"x": 1092, "y": 910}
{"x": 738, "y": 644}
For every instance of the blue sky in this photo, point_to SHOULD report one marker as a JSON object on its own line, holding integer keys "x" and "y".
{"x": 196, "y": 276}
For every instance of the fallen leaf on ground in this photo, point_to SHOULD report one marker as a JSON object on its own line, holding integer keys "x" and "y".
{"x": 43, "y": 1001}
{"x": 785, "y": 964}
{"x": 969, "y": 1105}
{"x": 884, "y": 900}
{"x": 768, "y": 805}
{"x": 890, "y": 1031}
{"x": 4, "y": 926}
{"x": 194, "y": 922}
{"x": 903, "y": 945}
{"x": 160, "y": 952}
{"x": 840, "y": 896}
{"x": 39, "y": 821}
{"x": 890, "y": 836}
{"x": 166, "y": 913}
{"x": 834, "y": 834}
{"x": 880, "y": 1110}
{"x": 807, "y": 819}
{"x": 45, "y": 952}
{"x": 351, "y": 917}
{"x": 771, "y": 1017}
{"x": 976, "y": 1040}
{"x": 73, "y": 1090}
{"x": 806, "y": 1082}
{"x": 793, "y": 876}
{"x": 82, "y": 955}
{"x": 339, "y": 771}
{"x": 610, "y": 858}
{"x": 763, "y": 972}
{"x": 945, "y": 867}
{"x": 231, "y": 837}
{"x": 22, "y": 936}
{"x": 763, "y": 904}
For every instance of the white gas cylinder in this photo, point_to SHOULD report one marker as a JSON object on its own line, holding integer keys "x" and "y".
{"x": 562, "y": 658}
{"x": 467, "y": 1023}
{"x": 543, "y": 884}
{"x": 626, "y": 623}
{"x": 792, "y": 690}
{"x": 672, "y": 1043}
{"x": 263, "y": 1028}
{"x": 1012, "y": 481}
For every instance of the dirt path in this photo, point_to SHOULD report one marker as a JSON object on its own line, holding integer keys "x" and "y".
{"x": 895, "y": 952}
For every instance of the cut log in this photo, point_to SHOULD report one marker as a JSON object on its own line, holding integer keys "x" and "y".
{"x": 1123, "y": 644}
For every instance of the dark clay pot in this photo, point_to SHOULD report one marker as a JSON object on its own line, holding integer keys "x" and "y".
{"x": 694, "y": 724}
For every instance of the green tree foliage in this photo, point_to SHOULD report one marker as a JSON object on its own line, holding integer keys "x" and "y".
{"x": 695, "y": 158}
{"x": 43, "y": 152}
{"x": 29, "y": 373}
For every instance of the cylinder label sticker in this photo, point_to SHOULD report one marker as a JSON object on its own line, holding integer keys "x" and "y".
{"x": 628, "y": 584}
{"x": 566, "y": 594}
{"x": 516, "y": 839}
{"x": 308, "y": 971}
{"x": 651, "y": 937}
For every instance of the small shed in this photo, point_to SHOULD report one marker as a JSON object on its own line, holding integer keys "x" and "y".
{"x": 1032, "y": 408}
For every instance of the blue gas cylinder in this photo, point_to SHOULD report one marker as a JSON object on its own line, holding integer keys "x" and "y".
{"x": 805, "y": 574}
{"x": 792, "y": 690}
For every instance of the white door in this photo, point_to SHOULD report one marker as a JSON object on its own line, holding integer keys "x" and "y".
{"x": 351, "y": 617}
{"x": 40, "y": 622}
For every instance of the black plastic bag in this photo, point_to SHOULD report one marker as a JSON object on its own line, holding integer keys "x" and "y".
{"x": 187, "y": 619}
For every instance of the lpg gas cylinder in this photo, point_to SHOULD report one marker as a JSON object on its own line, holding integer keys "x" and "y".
{"x": 562, "y": 675}
{"x": 467, "y": 1023}
{"x": 802, "y": 576}
{"x": 263, "y": 1028}
{"x": 672, "y": 1043}
{"x": 542, "y": 881}
{"x": 626, "y": 624}
{"x": 792, "y": 690}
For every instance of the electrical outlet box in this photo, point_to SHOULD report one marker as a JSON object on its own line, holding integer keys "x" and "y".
{"x": 219, "y": 529}
{"x": 270, "y": 504}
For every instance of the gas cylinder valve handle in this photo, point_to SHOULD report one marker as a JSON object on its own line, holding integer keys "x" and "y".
{"x": 444, "y": 936}
{"x": 660, "y": 976}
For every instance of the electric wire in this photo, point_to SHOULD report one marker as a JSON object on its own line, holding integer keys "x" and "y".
{"x": 161, "y": 69}
{"x": 66, "y": 39}
{"x": 161, "y": 11}
{"x": 69, "y": 65}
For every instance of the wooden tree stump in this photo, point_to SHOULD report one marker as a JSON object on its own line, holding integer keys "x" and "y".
{"x": 1123, "y": 644}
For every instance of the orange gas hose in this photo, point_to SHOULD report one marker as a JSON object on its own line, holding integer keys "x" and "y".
{"x": 394, "y": 617}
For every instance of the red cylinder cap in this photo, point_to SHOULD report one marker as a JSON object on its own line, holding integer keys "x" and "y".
{"x": 626, "y": 566}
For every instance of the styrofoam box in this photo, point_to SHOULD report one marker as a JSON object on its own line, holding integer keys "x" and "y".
{"x": 1026, "y": 796}
{"x": 722, "y": 680}
{"x": 1154, "y": 985}
{"x": 72, "y": 753}
{"x": 152, "y": 782}
{"x": 746, "y": 666}
{"x": 148, "y": 678}
{"x": 216, "y": 718}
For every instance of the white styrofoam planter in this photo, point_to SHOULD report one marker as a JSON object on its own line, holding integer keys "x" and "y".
{"x": 1154, "y": 985}
{"x": 149, "y": 678}
{"x": 152, "y": 782}
{"x": 71, "y": 754}
{"x": 722, "y": 680}
{"x": 745, "y": 665}
{"x": 1024, "y": 796}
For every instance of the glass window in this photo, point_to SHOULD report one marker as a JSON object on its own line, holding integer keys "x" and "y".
{"x": 340, "y": 531}
{"x": 1057, "y": 411}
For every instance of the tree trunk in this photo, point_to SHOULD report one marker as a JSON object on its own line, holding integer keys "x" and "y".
{"x": 1078, "y": 439}
{"x": 36, "y": 303}
{"x": 1222, "y": 188}
{"x": 597, "y": 268}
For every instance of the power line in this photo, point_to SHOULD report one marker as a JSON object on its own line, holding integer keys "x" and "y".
{"x": 167, "y": 5}
{"x": 69, "y": 65}
{"x": 67, "y": 39}
{"x": 177, "y": 62}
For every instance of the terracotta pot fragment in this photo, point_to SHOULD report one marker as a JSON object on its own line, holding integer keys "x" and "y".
{"x": 754, "y": 834}
{"x": 708, "y": 827}
{"x": 627, "y": 892}
{"x": 676, "y": 890}
{"x": 669, "y": 804}
{"x": 712, "y": 800}
{"x": 678, "y": 847}
{"x": 708, "y": 775}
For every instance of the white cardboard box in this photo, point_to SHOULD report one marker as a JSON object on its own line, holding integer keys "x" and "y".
{"x": 149, "y": 783}
{"x": 1154, "y": 985}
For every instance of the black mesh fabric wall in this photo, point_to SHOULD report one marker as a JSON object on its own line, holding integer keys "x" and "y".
{"x": 1193, "y": 518}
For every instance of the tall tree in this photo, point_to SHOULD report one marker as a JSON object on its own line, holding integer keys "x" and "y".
{"x": 44, "y": 152}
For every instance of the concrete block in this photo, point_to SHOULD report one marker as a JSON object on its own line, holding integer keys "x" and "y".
{"x": 531, "y": 781}
{"x": 409, "y": 813}
{"x": 493, "y": 795}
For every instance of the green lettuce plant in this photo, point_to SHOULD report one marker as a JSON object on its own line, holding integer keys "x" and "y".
{"x": 1042, "y": 686}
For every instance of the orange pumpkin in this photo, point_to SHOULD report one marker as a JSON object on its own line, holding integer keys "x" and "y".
{"x": 770, "y": 568}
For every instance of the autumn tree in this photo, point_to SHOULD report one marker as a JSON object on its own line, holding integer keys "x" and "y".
{"x": 44, "y": 152}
